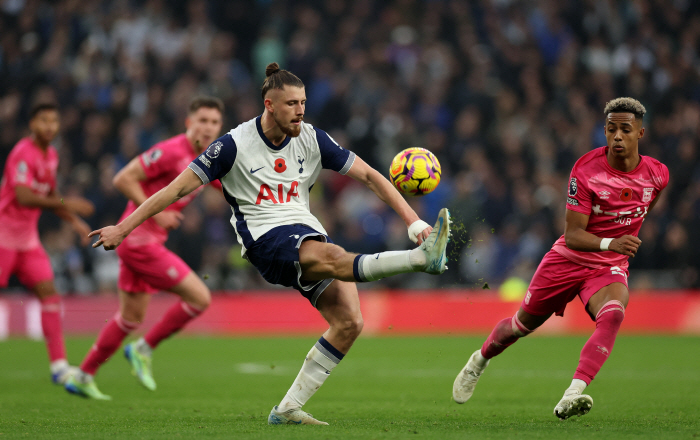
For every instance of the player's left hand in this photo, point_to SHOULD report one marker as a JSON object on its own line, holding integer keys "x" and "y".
{"x": 109, "y": 237}
{"x": 625, "y": 245}
{"x": 419, "y": 231}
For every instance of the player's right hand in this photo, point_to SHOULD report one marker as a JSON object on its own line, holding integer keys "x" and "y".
{"x": 109, "y": 237}
{"x": 168, "y": 220}
{"x": 625, "y": 245}
{"x": 79, "y": 205}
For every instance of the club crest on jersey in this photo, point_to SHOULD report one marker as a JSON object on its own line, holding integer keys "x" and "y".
{"x": 626, "y": 194}
{"x": 573, "y": 187}
{"x": 604, "y": 194}
{"x": 280, "y": 165}
{"x": 152, "y": 157}
{"x": 646, "y": 196}
{"x": 301, "y": 164}
{"x": 214, "y": 149}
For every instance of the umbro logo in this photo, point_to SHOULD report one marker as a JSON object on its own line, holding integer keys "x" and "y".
{"x": 252, "y": 171}
{"x": 604, "y": 194}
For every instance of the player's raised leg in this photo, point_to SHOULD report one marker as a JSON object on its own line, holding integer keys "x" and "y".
{"x": 340, "y": 306}
{"x": 321, "y": 260}
{"x": 608, "y": 307}
{"x": 195, "y": 298}
{"x": 132, "y": 309}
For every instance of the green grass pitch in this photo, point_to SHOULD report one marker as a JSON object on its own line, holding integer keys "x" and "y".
{"x": 386, "y": 388}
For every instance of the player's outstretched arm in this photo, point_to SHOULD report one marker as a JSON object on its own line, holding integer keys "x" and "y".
{"x": 128, "y": 182}
{"x": 578, "y": 239}
{"x": 111, "y": 236}
{"x": 25, "y": 196}
{"x": 371, "y": 178}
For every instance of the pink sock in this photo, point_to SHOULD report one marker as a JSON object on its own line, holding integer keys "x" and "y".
{"x": 503, "y": 336}
{"x": 177, "y": 316}
{"x": 600, "y": 344}
{"x": 51, "y": 326}
{"x": 107, "y": 343}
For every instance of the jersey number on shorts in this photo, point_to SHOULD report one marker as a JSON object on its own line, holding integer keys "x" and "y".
{"x": 617, "y": 271}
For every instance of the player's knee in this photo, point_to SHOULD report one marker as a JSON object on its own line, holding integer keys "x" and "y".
{"x": 204, "y": 299}
{"x": 45, "y": 290}
{"x": 334, "y": 255}
{"x": 351, "y": 327}
{"x": 134, "y": 315}
{"x": 612, "y": 312}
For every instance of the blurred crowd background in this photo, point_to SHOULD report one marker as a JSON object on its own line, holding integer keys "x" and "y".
{"x": 507, "y": 94}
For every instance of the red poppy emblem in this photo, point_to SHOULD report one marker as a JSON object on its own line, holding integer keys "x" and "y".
{"x": 626, "y": 194}
{"x": 280, "y": 166}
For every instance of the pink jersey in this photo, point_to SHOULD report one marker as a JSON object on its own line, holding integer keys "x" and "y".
{"x": 27, "y": 165}
{"x": 616, "y": 202}
{"x": 162, "y": 163}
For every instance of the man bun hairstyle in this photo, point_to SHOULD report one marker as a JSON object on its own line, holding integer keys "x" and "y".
{"x": 625, "y": 105}
{"x": 206, "y": 102}
{"x": 278, "y": 78}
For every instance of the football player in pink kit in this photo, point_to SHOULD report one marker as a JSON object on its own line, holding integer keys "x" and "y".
{"x": 611, "y": 190}
{"x": 28, "y": 186}
{"x": 146, "y": 266}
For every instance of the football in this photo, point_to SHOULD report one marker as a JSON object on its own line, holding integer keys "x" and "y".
{"x": 415, "y": 172}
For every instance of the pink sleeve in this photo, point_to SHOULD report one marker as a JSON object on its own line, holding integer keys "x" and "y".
{"x": 21, "y": 173}
{"x": 579, "y": 195}
{"x": 665, "y": 176}
{"x": 156, "y": 160}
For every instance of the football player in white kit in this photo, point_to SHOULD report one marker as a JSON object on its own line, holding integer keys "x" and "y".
{"x": 267, "y": 167}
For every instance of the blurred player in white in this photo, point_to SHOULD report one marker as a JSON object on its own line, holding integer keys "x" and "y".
{"x": 29, "y": 185}
{"x": 611, "y": 190}
{"x": 267, "y": 167}
{"x": 146, "y": 266}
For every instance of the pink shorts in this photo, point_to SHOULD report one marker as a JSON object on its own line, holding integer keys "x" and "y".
{"x": 149, "y": 268}
{"x": 558, "y": 281}
{"x": 31, "y": 267}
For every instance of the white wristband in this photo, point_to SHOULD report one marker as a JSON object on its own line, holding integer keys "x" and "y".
{"x": 604, "y": 243}
{"x": 416, "y": 228}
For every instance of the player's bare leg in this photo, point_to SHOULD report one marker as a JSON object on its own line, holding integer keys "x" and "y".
{"x": 195, "y": 298}
{"x": 52, "y": 329}
{"x": 339, "y": 304}
{"x": 608, "y": 307}
{"x": 505, "y": 334}
{"x": 321, "y": 260}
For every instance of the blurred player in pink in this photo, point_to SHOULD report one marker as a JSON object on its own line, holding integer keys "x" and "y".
{"x": 146, "y": 266}
{"x": 29, "y": 185}
{"x": 611, "y": 190}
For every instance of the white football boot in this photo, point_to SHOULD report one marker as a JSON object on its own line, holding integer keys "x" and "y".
{"x": 294, "y": 416}
{"x": 466, "y": 380}
{"x": 573, "y": 404}
{"x": 61, "y": 372}
{"x": 435, "y": 245}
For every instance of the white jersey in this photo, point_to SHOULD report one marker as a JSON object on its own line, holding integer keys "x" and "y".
{"x": 267, "y": 185}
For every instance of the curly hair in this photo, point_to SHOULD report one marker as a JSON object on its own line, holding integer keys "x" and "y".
{"x": 625, "y": 105}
